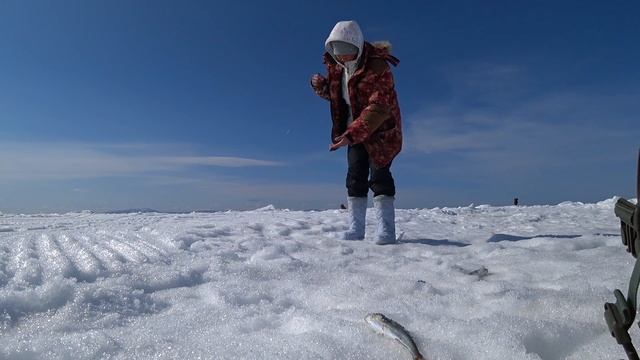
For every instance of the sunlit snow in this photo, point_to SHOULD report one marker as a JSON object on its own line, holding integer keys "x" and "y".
{"x": 475, "y": 282}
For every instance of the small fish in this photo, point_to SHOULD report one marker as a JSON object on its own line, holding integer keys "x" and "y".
{"x": 386, "y": 327}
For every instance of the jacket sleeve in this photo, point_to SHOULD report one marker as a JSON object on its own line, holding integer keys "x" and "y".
{"x": 323, "y": 90}
{"x": 377, "y": 110}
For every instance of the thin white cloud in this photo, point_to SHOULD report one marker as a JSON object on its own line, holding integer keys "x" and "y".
{"x": 442, "y": 131}
{"x": 541, "y": 123}
{"x": 497, "y": 124}
{"x": 225, "y": 161}
{"x": 22, "y": 160}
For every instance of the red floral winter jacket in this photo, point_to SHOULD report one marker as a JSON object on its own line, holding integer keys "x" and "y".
{"x": 374, "y": 104}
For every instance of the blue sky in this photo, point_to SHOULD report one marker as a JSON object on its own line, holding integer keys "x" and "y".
{"x": 186, "y": 105}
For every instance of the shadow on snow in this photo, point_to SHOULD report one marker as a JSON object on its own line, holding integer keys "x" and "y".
{"x": 506, "y": 237}
{"x": 434, "y": 242}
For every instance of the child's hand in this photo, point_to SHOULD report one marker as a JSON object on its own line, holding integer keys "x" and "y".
{"x": 318, "y": 82}
{"x": 340, "y": 141}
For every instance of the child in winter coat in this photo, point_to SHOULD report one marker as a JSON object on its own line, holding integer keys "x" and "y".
{"x": 366, "y": 118}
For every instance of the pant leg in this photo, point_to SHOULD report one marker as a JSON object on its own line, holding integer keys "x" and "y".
{"x": 358, "y": 171}
{"x": 382, "y": 182}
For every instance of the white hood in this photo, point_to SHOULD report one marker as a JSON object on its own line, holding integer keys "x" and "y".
{"x": 347, "y": 31}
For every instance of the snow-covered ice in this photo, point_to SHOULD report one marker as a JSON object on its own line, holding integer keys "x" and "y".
{"x": 475, "y": 282}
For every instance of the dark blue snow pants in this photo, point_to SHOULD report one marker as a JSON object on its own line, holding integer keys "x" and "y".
{"x": 360, "y": 167}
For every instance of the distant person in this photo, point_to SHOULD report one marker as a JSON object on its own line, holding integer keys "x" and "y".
{"x": 366, "y": 118}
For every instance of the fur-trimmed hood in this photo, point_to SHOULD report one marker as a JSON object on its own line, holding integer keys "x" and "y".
{"x": 382, "y": 45}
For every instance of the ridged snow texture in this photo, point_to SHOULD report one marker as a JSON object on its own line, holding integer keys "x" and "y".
{"x": 475, "y": 282}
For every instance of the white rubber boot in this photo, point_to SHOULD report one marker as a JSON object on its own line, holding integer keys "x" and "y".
{"x": 386, "y": 218}
{"x": 357, "y": 207}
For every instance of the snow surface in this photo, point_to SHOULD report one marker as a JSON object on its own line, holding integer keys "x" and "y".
{"x": 475, "y": 282}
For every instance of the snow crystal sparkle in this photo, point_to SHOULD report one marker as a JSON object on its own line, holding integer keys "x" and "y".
{"x": 513, "y": 282}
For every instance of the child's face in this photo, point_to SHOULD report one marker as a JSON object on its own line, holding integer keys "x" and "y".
{"x": 346, "y": 58}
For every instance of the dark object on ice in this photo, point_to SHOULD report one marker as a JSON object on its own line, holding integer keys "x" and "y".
{"x": 481, "y": 272}
{"x": 620, "y": 316}
{"x": 342, "y": 207}
{"x": 515, "y": 201}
